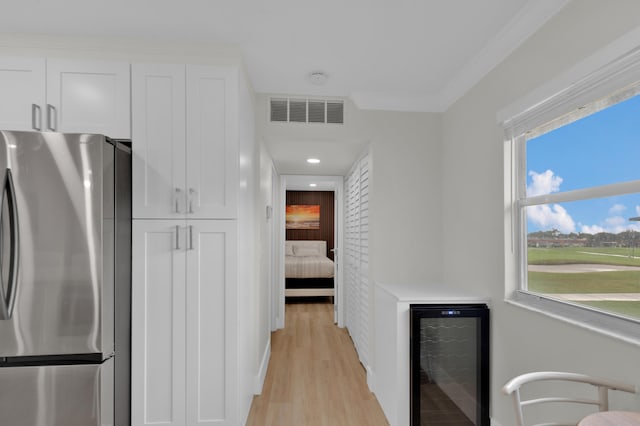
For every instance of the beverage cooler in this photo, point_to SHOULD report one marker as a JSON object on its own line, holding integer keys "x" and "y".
{"x": 449, "y": 365}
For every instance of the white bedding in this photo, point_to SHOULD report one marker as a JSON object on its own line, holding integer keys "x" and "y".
{"x": 307, "y": 259}
{"x": 308, "y": 267}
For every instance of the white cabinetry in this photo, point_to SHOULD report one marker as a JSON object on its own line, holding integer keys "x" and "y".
{"x": 65, "y": 96}
{"x": 391, "y": 328}
{"x": 185, "y": 128}
{"x": 183, "y": 328}
{"x": 185, "y": 273}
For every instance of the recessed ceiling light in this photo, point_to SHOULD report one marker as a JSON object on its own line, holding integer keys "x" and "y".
{"x": 313, "y": 160}
{"x": 313, "y": 185}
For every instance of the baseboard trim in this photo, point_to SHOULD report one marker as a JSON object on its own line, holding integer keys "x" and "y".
{"x": 262, "y": 371}
{"x": 370, "y": 379}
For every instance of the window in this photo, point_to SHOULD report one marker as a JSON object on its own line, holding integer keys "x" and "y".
{"x": 575, "y": 201}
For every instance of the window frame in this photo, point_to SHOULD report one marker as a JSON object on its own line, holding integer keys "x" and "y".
{"x": 609, "y": 84}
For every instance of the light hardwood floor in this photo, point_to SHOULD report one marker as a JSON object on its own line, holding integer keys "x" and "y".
{"x": 314, "y": 376}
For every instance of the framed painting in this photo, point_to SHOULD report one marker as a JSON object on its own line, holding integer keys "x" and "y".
{"x": 303, "y": 217}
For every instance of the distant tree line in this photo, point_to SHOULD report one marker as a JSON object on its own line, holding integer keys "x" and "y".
{"x": 555, "y": 238}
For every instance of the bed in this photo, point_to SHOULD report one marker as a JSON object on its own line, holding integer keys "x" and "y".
{"x": 308, "y": 271}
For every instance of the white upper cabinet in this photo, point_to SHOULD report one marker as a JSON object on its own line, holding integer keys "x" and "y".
{"x": 65, "y": 96}
{"x": 22, "y": 84}
{"x": 212, "y": 135}
{"x": 158, "y": 106}
{"x": 185, "y": 132}
{"x": 89, "y": 97}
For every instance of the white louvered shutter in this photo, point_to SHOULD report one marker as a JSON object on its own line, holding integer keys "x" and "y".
{"x": 356, "y": 273}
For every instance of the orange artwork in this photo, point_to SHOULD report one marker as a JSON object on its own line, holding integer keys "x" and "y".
{"x": 303, "y": 217}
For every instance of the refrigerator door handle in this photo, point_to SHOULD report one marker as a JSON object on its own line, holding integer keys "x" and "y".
{"x": 8, "y": 295}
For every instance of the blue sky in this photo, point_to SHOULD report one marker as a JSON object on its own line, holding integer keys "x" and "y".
{"x": 599, "y": 149}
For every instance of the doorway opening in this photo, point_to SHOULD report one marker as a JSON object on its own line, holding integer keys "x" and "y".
{"x": 310, "y": 238}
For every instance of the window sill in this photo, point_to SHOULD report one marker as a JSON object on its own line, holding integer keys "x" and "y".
{"x": 620, "y": 328}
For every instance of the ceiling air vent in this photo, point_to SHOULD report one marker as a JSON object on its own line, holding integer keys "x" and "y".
{"x": 316, "y": 111}
{"x": 293, "y": 110}
{"x": 335, "y": 112}
{"x": 279, "y": 109}
{"x": 298, "y": 110}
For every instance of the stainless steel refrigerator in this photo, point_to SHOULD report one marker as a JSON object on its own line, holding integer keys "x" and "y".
{"x": 65, "y": 275}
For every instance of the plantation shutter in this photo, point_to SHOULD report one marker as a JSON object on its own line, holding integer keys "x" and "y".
{"x": 356, "y": 272}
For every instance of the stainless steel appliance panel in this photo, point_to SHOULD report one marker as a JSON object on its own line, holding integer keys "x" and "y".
{"x": 62, "y": 395}
{"x": 62, "y": 300}
{"x": 122, "y": 322}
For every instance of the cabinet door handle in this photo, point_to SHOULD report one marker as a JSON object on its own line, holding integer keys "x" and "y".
{"x": 52, "y": 117}
{"x": 177, "y": 237}
{"x": 192, "y": 193}
{"x": 176, "y": 200}
{"x": 190, "y": 237}
{"x": 36, "y": 111}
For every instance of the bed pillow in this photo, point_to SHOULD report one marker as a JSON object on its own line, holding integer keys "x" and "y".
{"x": 305, "y": 251}
{"x": 288, "y": 249}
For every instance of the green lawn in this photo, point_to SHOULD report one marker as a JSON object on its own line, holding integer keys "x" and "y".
{"x": 589, "y": 282}
{"x": 565, "y": 255}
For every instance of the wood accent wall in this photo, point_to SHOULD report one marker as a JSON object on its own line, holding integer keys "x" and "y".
{"x": 326, "y": 201}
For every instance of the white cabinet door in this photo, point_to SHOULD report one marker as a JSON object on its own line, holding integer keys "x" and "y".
{"x": 211, "y": 327}
{"x": 212, "y": 141}
{"x": 184, "y": 322}
{"x": 185, "y": 133}
{"x": 158, "y": 323}
{"x": 158, "y": 100}
{"x": 88, "y": 97}
{"x": 22, "y": 89}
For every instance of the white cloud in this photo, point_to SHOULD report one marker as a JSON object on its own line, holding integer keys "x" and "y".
{"x": 613, "y": 224}
{"x": 617, "y": 209}
{"x": 543, "y": 183}
{"x": 616, "y": 222}
{"x": 551, "y": 216}
{"x": 591, "y": 229}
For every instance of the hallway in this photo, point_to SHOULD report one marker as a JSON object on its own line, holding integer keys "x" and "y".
{"x": 314, "y": 376}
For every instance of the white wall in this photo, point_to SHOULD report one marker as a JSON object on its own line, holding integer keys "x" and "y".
{"x": 268, "y": 188}
{"x": 472, "y": 200}
{"x": 405, "y": 213}
{"x": 112, "y": 48}
{"x": 249, "y": 244}
{"x": 405, "y": 201}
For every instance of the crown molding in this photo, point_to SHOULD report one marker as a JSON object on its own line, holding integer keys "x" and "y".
{"x": 524, "y": 24}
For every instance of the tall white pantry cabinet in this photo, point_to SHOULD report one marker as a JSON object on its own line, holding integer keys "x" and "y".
{"x": 185, "y": 180}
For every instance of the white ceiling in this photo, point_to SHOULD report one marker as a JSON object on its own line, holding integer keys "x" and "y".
{"x": 415, "y": 55}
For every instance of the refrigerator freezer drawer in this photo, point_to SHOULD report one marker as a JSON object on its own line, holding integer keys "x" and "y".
{"x": 60, "y": 395}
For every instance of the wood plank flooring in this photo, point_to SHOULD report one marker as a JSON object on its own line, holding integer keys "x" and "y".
{"x": 314, "y": 376}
